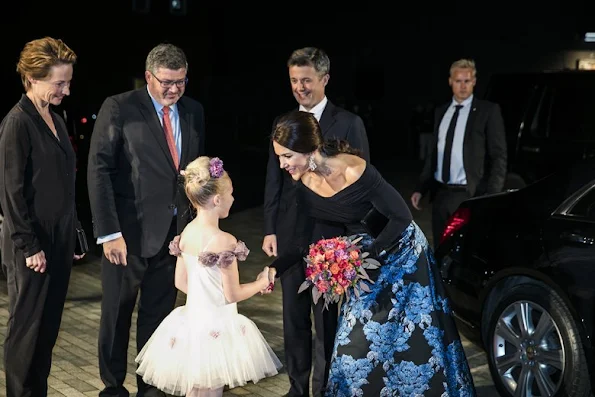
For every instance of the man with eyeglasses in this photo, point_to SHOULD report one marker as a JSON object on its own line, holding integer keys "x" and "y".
{"x": 140, "y": 142}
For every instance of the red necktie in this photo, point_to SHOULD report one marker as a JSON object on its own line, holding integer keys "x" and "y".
{"x": 169, "y": 136}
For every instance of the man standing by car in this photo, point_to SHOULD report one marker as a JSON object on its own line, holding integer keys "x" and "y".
{"x": 469, "y": 150}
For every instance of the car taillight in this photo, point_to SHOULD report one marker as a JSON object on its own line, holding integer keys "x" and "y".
{"x": 456, "y": 221}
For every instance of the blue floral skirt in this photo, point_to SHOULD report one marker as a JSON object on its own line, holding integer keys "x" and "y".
{"x": 400, "y": 339}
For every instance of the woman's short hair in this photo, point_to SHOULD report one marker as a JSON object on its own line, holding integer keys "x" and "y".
{"x": 39, "y": 56}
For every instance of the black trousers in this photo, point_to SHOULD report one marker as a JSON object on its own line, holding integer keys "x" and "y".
{"x": 154, "y": 277}
{"x": 297, "y": 335}
{"x": 297, "y": 322}
{"x": 36, "y": 302}
{"x": 445, "y": 203}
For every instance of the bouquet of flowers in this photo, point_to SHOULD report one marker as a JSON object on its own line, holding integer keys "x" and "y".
{"x": 336, "y": 268}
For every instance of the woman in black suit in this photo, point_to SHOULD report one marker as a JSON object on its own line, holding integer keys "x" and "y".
{"x": 37, "y": 173}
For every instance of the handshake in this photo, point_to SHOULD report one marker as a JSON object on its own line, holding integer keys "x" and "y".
{"x": 267, "y": 274}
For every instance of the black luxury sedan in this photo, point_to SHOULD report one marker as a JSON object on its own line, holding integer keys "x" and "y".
{"x": 519, "y": 267}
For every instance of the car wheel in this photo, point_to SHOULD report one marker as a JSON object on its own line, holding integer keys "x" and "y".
{"x": 534, "y": 348}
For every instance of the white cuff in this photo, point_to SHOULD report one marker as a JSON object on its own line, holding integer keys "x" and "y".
{"x": 109, "y": 237}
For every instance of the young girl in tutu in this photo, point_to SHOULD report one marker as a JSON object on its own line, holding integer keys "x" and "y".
{"x": 204, "y": 345}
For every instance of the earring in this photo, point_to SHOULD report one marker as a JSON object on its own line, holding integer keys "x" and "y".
{"x": 311, "y": 164}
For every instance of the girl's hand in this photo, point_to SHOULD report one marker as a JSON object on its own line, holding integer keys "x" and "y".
{"x": 263, "y": 277}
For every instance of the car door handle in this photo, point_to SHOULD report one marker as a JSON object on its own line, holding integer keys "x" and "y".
{"x": 577, "y": 238}
{"x": 531, "y": 149}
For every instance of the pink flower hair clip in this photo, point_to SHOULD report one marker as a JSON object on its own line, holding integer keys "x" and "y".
{"x": 174, "y": 246}
{"x": 216, "y": 167}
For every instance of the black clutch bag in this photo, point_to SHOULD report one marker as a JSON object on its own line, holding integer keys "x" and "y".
{"x": 82, "y": 246}
{"x": 374, "y": 222}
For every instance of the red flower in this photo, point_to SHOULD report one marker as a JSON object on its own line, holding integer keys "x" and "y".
{"x": 334, "y": 268}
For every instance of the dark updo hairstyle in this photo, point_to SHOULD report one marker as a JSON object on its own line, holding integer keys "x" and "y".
{"x": 300, "y": 132}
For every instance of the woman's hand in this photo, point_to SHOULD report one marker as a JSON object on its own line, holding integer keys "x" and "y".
{"x": 78, "y": 257}
{"x": 265, "y": 277}
{"x": 36, "y": 262}
{"x": 263, "y": 274}
{"x": 272, "y": 275}
{"x": 271, "y": 281}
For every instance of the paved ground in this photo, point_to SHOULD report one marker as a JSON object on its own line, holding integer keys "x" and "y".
{"x": 75, "y": 371}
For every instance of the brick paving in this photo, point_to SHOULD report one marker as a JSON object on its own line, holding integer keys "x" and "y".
{"x": 75, "y": 371}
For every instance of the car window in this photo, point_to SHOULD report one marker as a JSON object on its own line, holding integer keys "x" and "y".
{"x": 571, "y": 115}
{"x": 538, "y": 122}
{"x": 570, "y": 190}
{"x": 585, "y": 207}
{"x": 513, "y": 93}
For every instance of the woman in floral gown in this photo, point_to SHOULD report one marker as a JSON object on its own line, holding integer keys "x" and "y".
{"x": 399, "y": 339}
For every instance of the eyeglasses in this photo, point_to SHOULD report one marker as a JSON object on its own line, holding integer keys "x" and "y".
{"x": 169, "y": 83}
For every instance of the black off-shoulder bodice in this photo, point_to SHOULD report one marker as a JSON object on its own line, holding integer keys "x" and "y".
{"x": 350, "y": 205}
{"x": 342, "y": 213}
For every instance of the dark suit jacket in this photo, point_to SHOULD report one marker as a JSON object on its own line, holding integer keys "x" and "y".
{"x": 37, "y": 175}
{"x": 484, "y": 150}
{"x": 133, "y": 185}
{"x": 280, "y": 201}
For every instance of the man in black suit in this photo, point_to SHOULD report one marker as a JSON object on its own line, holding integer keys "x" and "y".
{"x": 309, "y": 74}
{"x": 141, "y": 141}
{"x": 469, "y": 150}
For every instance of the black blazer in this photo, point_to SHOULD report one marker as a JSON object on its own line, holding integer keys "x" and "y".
{"x": 133, "y": 185}
{"x": 484, "y": 150}
{"x": 280, "y": 201}
{"x": 37, "y": 175}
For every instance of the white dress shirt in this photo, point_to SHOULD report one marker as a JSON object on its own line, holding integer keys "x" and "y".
{"x": 457, "y": 169}
{"x": 316, "y": 110}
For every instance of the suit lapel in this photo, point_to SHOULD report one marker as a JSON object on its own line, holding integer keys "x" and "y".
{"x": 470, "y": 120}
{"x": 469, "y": 130}
{"x": 62, "y": 135}
{"x": 328, "y": 118}
{"x": 62, "y": 140}
{"x": 30, "y": 109}
{"x": 148, "y": 111}
{"x": 185, "y": 131}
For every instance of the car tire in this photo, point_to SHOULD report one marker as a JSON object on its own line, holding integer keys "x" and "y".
{"x": 561, "y": 343}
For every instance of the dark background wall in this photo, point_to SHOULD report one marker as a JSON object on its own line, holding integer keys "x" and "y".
{"x": 382, "y": 56}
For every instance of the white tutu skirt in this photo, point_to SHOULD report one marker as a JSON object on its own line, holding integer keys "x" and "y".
{"x": 205, "y": 352}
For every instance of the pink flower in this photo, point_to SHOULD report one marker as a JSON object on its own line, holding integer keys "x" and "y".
{"x": 350, "y": 274}
{"x": 322, "y": 286}
{"x": 174, "y": 247}
{"x": 216, "y": 167}
{"x": 333, "y": 267}
{"x": 344, "y": 282}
